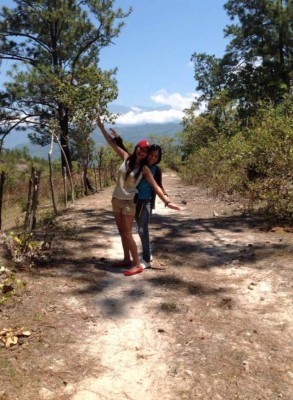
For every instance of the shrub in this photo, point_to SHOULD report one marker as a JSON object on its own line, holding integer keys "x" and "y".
{"x": 256, "y": 163}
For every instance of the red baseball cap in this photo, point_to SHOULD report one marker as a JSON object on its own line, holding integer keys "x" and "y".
{"x": 143, "y": 143}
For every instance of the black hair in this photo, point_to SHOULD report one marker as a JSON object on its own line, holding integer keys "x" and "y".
{"x": 130, "y": 164}
{"x": 156, "y": 147}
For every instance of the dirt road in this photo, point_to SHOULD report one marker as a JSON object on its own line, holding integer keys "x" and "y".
{"x": 213, "y": 318}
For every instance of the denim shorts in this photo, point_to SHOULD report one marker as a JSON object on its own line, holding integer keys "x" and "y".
{"x": 126, "y": 207}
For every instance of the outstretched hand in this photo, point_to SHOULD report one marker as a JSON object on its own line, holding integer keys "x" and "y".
{"x": 114, "y": 133}
{"x": 173, "y": 206}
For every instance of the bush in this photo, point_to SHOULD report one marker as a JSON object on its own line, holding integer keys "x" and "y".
{"x": 220, "y": 166}
{"x": 256, "y": 163}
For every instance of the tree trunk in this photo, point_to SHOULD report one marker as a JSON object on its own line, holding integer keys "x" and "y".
{"x": 64, "y": 139}
{"x": 284, "y": 75}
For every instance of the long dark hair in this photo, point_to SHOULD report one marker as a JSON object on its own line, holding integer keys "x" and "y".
{"x": 130, "y": 164}
{"x": 156, "y": 147}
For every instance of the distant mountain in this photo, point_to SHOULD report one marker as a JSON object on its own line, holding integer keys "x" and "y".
{"x": 16, "y": 138}
{"x": 132, "y": 133}
{"x": 135, "y": 133}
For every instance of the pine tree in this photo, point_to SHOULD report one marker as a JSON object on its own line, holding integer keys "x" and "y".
{"x": 56, "y": 45}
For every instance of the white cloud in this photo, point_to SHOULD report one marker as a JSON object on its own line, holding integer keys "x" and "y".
{"x": 136, "y": 109}
{"x": 148, "y": 117}
{"x": 175, "y": 102}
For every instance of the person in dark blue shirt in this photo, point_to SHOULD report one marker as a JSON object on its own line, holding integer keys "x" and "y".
{"x": 145, "y": 198}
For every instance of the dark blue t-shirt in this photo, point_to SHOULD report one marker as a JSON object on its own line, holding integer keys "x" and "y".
{"x": 145, "y": 190}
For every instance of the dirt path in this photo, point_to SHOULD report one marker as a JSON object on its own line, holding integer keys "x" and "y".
{"x": 211, "y": 320}
{"x": 127, "y": 343}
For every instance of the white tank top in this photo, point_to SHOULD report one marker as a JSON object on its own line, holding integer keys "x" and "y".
{"x": 126, "y": 189}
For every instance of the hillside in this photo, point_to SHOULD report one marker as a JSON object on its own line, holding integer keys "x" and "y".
{"x": 129, "y": 133}
{"x": 137, "y": 132}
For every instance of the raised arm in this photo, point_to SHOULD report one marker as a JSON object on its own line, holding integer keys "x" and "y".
{"x": 120, "y": 152}
{"x": 165, "y": 199}
{"x": 118, "y": 139}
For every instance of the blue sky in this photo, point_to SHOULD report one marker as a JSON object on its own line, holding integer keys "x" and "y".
{"x": 153, "y": 53}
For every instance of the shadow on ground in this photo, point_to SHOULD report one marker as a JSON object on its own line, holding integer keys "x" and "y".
{"x": 209, "y": 242}
{"x": 200, "y": 243}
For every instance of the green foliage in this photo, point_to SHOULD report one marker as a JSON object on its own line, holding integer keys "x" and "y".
{"x": 17, "y": 164}
{"x": 171, "y": 156}
{"x": 9, "y": 284}
{"x": 24, "y": 250}
{"x": 271, "y": 155}
{"x": 197, "y": 133}
{"x": 209, "y": 75}
{"x": 13, "y": 157}
{"x": 258, "y": 61}
{"x": 255, "y": 163}
{"x": 57, "y": 44}
{"x": 48, "y": 219}
{"x": 220, "y": 166}
{"x": 242, "y": 143}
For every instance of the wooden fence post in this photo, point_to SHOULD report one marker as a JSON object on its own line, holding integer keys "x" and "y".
{"x": 65, "y": 186}
{"x": 51, "y": 174}
{"x": 2, "y": 180}
{"x": 100, "y": 166}
{"x": 36, "y": 189}
{"x": 32, "y": 202}
{"x": 95, "y": 175}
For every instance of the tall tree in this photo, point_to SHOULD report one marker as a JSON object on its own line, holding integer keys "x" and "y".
{"x": 208, "y": 74}
{"x": 260, "y": 52}
{"x": 56, "y": 45}
{"x": 258, "y": 61}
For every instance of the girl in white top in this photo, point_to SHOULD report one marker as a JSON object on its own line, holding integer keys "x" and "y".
{"x": 130, "y": 173}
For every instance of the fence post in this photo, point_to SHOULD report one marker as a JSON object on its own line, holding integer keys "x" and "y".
{"x": 51, "y": 174}
{"x": 95, "y": 175}
{"x": 32, "y": 202}
{"x": 65, "y": 186}
{"x": 2, "y": 180}
{"x": 100, "y": 166}
{"x": 35, "y": 202}
{"x": 29, "y": 202}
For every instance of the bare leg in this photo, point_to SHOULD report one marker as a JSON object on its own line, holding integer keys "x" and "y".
{"x": 124, "y": 223}
{"x": 129, "y": 241}
{"x": 120, "y": 224}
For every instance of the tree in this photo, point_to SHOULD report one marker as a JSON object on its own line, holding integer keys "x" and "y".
{"x": 208, "y": 74}
{"x": 56, "y": 46}
{"x": 170, "y": 150}
{"x": 258, "y": 61}
{"x": 260, "y": 53}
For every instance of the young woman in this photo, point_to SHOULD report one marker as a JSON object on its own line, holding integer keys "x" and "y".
{"x": 145, "y": 203}
{"x": 145, "y": 198}
{"x": 130, "y": 173}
